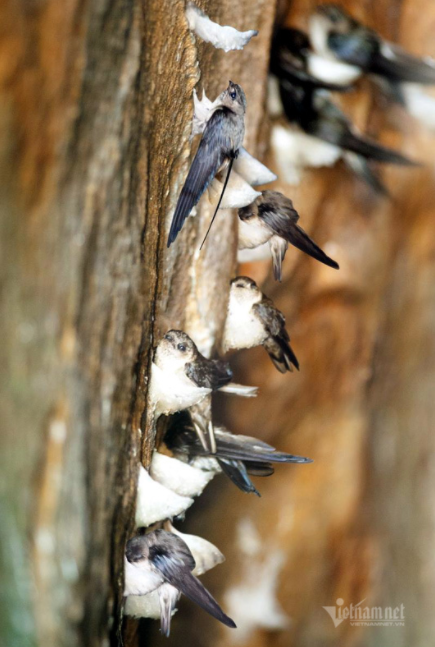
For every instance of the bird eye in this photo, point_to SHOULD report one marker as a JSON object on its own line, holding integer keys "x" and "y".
{"x": 181, "y": 347}
{"x": 233, "y": 95}
{"x": 168, "y": 337}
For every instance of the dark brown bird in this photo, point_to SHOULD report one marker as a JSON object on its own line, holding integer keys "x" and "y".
{"x": 238, "y": 457}
{"x": 272, "y": 219}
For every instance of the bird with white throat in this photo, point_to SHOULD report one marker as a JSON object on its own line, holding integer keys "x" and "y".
{"x": 253, "y": 320}
{"x": 182, "y": 377}
{"x": 272, "y": 219}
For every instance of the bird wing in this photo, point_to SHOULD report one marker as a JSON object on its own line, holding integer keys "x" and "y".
{"x": 180, "y": 576}
{"x": 361, "y": 167}
{"x": 352, "y": 141}
{"x": 214, "y": 148}
{"x": 234, "y": 447}
{"x": 333, "y": 126}
{"x": 252, "y": 452}
{"x": 278, "y": 344}
{"x": 236, "y": 472}
{"x": 394, "y": 63}
{"x": 209, "y": 373}
{"x": 283, "y": 223}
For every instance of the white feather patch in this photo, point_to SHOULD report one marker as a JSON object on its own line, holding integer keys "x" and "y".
{"x": 332, "y": 71}
{"x": 140, "y": 578}
{"x": 253, "y": 233}
{"x": 172, "y": 391}
{"x": 177, "y": 476}
{"x": 242, "y": 328}
{"x": 206, "y": 463}
{"x": 221, "y": 37}
{"x": 274, "y": 103}
{"x": 149, "y": 605}
{"x": 155, "y": 502}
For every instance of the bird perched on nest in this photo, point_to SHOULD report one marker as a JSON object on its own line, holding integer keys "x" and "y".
{"x": 162, "y": 561}
{"x": 345, "y": 49}
{"x": 293, "y": 59}
{"x": 181, "y": 376}
{"x": 321, "y": 119}
{"x": 272, "y": 219}
{"x": 239, "y": 457}
{"x": 219, "y": 146}
{"x": 253, "y": 320}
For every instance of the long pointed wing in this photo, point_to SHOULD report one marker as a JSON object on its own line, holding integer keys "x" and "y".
{"x": 281, "y": 354}
{"x": 251, "y": 456}
{"x": 182, "y": 579}
{"x": 229, "y": 446}
{"x": 286, "y": 227}
{"x": 361, "y": 167}
{"x": 356, "y": 143}
{"x": 278, "y": 344}
{"x": 236, "y": 471}
{"x": 214, "y": 148}
{"x": 210, "y": 374}
{"x": 395, "y": 64}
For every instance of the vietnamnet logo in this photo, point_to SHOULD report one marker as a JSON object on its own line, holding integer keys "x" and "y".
{"x": 366, "y": 616}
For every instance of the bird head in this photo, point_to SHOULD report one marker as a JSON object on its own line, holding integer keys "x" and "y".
{"x": 234, "y": 98}
{"x": 175, "y": 350}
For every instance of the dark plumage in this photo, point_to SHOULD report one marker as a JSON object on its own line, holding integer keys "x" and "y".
{"x": 238, "y": 456}
{"x": 272, "y": 218}
{"x": 289, "y": 60}
{"x": 354, "y": 43}
{"x": 209, "y": 373}
{"x": 220, "y": 143}
{"x": 318, "y": 116}
{"x": 277, "y": 344}
{"x": 170, "y": 562}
